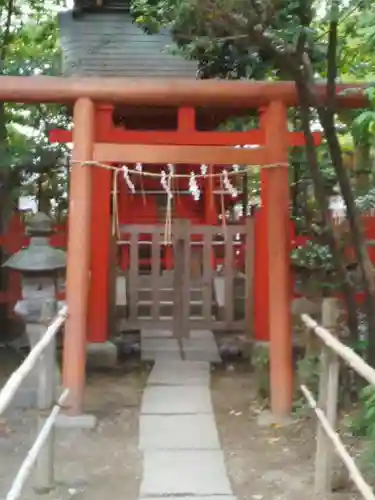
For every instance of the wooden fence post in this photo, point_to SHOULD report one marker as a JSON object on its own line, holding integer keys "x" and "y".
{"x": 44, "y": 467}
{"x": 181, "y": 278}
{"x": 327, "y": 402}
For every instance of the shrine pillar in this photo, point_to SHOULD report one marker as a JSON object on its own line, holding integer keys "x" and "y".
{"x": 275, "y": 207}
{"x": 78, "y": 261}
{"x": 98, "y": 318}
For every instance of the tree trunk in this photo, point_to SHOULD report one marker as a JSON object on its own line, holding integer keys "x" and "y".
{"x": 322, "y": 199}
{"x": 327, "y": 119}
{"x": 356, "y": 232}
{"x": 298, "y": 66}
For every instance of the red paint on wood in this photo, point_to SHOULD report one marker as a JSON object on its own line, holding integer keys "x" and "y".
{"x": 181, "y": 137}
{"x": 261, "y": 323}
{"x": 277, "y": 226}
{"x": 153, "y": 92}
{"x": 186, "y": 120}
{"x": 98, "y": 321}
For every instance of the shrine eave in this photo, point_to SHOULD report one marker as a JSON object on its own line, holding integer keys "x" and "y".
{"x": 168, "y": 92}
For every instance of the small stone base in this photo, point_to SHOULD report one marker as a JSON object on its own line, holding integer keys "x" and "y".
{"x": 85, "y": 421}
{"x": 268, "y": 419}
{"x": 101, "y": 355}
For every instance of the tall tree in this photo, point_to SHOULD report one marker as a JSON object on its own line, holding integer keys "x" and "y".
{"x": 28, "y": 46}
{"x": 284, "y": 37}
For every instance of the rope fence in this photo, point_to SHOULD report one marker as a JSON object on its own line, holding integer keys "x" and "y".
{"x": 328, "y": 440}
{"x": 42, "y": 357}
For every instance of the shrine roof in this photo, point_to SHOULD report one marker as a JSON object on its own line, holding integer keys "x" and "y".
{"x": 107, "y": 43}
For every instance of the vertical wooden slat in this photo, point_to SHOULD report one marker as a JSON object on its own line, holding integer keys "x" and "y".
{"x": 181, "y": 277}
{"x": 187, "y": 280}
{"x": 113, "y": 270}
{"x": 178, "y": 278}
{"x": 207, "y": 278}
{"x": 133, "y": 276}
{"x": 249, "y": 275}
{"x": 155, "y": 275}
{"x": 228, "y": 276}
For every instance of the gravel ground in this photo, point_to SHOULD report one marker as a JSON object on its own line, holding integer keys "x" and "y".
{"x": 97, "y": 464}
{"x": 263, "y": 463}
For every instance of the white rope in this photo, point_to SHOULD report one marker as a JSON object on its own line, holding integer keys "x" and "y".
{"x": 345, "y": 353}
{"x": 15, "y": 380}
{"x": 166, "y": 183}
{"x": 144, "y": 173}
{"x": 28, "y": 463}
{"x": 363, "y": 487}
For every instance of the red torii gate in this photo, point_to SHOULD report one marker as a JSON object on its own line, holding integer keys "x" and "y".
{"x": 275, "y": 96}
{"x": 185, "y": 135}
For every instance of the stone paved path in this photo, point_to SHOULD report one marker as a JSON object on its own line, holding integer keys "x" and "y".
{"x": 182, "y": 456}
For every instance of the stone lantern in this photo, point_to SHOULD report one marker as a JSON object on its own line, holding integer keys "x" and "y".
{"x": 41, "y": 267}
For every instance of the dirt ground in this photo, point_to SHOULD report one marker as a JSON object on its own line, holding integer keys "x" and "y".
{"x": 263, "y": 463}
{"x": 105, "y": 463}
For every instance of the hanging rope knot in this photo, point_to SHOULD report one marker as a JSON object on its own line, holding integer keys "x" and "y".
{"x": 193, "y": 186}
{"x": 228, "y": 185}
{"x": 204, "y": 169}
{"x": 127, "y": 178}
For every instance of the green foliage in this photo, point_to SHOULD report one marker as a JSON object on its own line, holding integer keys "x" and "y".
{"x": 29, "y": 46}
{"x": 363, "y": 126}
{"x": 366, "y": 202}
{"x": 308, "y": 373}
{"x": 215, "y": 33}
{"x": 261, "y": 363}
{"x": 363, "y": 425}
{"x": 312, "y": 256}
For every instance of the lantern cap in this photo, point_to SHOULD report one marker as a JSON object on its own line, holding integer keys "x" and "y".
{"x": 39, "y": 224}
{"x": 39, "y": 256}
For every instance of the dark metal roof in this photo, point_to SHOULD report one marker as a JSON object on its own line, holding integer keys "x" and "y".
{"x": 110, "y": 44}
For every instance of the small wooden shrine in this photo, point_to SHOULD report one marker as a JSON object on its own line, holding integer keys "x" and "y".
{"x": 103, "y": 41}
{"x": 161, "y": 123}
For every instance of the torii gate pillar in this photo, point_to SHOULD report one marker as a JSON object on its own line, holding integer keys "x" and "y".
{"x": 275, "y": 204}
{"x": 78, "y": 265}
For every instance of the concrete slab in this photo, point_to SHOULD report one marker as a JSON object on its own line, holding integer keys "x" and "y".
{"x": 201, "y": 350}
{"x": 196, "y": 497}
{"x": 160, "y": 348}
{"x": 180, "y": 373}
{"x": 101, "y": 355}
{"x": 178, "y": 432}
{"x": 155, "y": 333}
{"x": 202, "y": 344}
{"x": 85, "y": 421}
{"x": 201, "y": 334}
{"x": 184, "y": 473}
{"x": 164, "y": 400}
{"x": 151, "y": 355}
{"x": 163, "y": 344}
{"x": 194, "y": 355}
